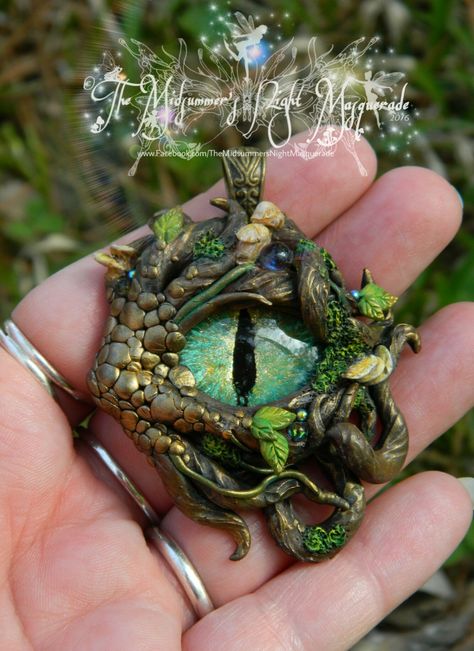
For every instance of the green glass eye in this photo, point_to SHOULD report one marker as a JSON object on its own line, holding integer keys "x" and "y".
{"x": 250, "y": 357}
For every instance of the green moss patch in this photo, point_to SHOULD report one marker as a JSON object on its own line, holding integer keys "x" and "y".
{"x": 208, "y": 246}
{"x": 344, "y": 345}
{"x": 318, "y": 540}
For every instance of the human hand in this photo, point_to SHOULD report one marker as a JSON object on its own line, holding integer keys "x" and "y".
{"x": 77, "y": 570}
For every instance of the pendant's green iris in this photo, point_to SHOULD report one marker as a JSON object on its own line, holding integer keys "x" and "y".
{"x": 250, "y": 357}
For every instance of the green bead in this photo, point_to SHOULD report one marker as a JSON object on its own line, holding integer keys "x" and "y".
{"x": 301, "y": 415}
{"x": 297, "y": 432}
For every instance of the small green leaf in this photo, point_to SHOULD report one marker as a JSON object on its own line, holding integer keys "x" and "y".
{"x": 273, "y": 417}
{"x": 274, "y": 446}
{"x": 168, "y": 225}
{"x": 275, "y": 452}
{"x": 373, "y": 301}
{"x": 263, "y": 433}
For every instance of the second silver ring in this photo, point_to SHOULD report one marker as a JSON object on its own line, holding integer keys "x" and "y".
{"x": 182, "y": 567}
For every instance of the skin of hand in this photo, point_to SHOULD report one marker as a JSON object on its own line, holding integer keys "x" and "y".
{"x": 76, "y": 571}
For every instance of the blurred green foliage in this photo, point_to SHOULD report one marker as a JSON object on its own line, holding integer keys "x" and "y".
{"x": 55, "y": 180}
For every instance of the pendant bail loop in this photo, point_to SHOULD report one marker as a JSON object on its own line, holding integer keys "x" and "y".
{"x": 244, "y": 174}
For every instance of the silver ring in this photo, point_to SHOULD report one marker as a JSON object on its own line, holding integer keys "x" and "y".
{"x": 15, "y": 342}
{"x": 184, "y": 570}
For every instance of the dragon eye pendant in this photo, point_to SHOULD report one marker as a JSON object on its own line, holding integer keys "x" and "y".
{"x": 234, "y": 355}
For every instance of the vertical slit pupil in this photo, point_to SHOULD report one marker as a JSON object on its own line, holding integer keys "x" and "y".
{"x": 244, "y": 369}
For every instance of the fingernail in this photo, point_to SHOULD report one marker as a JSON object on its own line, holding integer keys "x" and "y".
{"x": 459, "y": 195}
{"x": 468, "y": 483}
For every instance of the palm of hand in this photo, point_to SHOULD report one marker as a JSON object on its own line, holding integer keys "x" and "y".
{"x": 77, "y": 572}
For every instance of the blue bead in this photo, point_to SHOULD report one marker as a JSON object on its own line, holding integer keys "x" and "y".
{"x": 131, "y": 273}
{"x": 355, "y": 293}
{"x": 276, "y": 257}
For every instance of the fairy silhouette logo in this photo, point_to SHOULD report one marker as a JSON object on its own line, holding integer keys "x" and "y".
{"x": 244, "y": 84}
{"x": 247, "y": 39}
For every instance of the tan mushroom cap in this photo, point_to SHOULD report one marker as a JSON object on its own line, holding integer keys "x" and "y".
{"x": 253, "y": 233}
{"x": 269, "y": 214}
{"x": 252, "y": 239}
